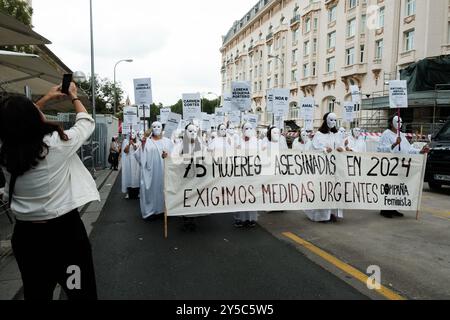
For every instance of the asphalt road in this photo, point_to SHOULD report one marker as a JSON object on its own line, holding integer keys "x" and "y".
{"x": 134, "y": 261}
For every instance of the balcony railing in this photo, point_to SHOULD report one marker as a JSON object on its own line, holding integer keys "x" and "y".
{"x": 269, "y": 36}
{"x": 295, "y": 19}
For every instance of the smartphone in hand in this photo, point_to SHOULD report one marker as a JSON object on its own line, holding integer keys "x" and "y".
{"x": 67, "y": 79}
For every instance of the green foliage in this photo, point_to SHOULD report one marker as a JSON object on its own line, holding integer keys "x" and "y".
{"x": 21, "y": 11}
{"x": 104, "y": 93}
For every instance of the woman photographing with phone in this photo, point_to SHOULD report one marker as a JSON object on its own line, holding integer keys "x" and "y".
{"x": 45, "y": 184}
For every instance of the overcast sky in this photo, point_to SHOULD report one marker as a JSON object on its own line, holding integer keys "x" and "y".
{"x": 176, "y": 43}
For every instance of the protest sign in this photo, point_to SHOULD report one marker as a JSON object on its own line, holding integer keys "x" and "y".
{"x": 205, "y": 125}
{"x": 307, "y": 108}
{"x": 164, "y": 113}
{"x": 234, "y": 117}
{"x": 356, "y": 94}
{"x": 280, "y": 104}
{"x": 220, "y": 116}
{"x": 269, "y": 100}
{"x": 143, "y": 91}
{"x": 144, "y": 111}
{"x": 349, "y": 107}
{"x": 278, "y": 121}
{"x": 252, "y": 119}
{"x": 228, "y": 104}
{"x": 172, "y": 124}
{"x": 398, "y": 94}
{"x": 292, "y": 181}
{"x": 241, "y": 95}
{"x": 192, "y": 105}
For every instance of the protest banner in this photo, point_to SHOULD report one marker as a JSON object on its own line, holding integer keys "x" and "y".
{"x": 292, "y": 181}
{"x": 252, "y": 119}
{"x": 192, "y": 105}
{"x": 241, "y": 95}
{"x": 356, "y": 94}
{"x": 164, "y": 113}
{"x": 143, "y": 91}
{"x": 280, "y": 104}
{"x": 172, "y": 124}
{"x": 349, "y": 108}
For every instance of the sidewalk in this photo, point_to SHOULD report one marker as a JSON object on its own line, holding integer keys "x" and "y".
{"x": 10, "y": 280}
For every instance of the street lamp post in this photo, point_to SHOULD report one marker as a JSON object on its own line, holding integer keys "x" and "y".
{"x": 93, "y": 88}
{"x": 115, "y": 90}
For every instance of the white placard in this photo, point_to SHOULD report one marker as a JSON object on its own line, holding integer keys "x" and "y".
{"x": 348, "y": 114}
{"x": 220, "y": 116}
{"x": 242, "y": 94}
{"x": 143, "y": 91}
{"x": 269, "y": 100}
{"x": 130, "y": 116}
{"x": 192, "y": 106}
{"x": 144, "y": 111}
{"x": 228, "y": 104}
{"x": 398, "y": 94}
{"x": 164, "y": 113}
{"x": 205, "y": 125}
{"x": 252, "y": 119}
{"x": 280, "y": 101}
{"x": 278, "y": 121}
{"x": 234, "y": 117}
{"x": 172, "y": 124}
{"x": 356, "y": 94}
{"x": 307, "y": 108}
{"x": 308, "y": 125}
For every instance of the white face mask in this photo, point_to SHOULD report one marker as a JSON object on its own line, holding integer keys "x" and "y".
{"x": 356, "y": 133}
{"x": 396, "y": 124}
{"x": 133, "y": 135}
{"x": 304, "y": 136}
{"x": 157, "y": 128}
{"x": 222, "y": 131}
{"x": 332, "y": 120}
{"x": 191, "y": 132}
{"x": 275, "y": 135}
{"x": 231, "y": 130}
{"x": 248, "y": 130}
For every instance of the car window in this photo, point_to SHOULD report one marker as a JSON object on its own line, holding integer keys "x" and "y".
{"x": 444, "y": 134}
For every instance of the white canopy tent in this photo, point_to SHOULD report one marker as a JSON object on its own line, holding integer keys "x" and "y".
{"x": 13, "y": 32}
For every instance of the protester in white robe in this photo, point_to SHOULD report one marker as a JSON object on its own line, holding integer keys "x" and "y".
{"x": 274, "y": 142}
{"x": 221, "y": 145}
{"x": 233, "y": 135}
{"x": 151, "y": 157}
{"x": 130, "y": 167}
{"x": 249, "y": 146}
{"x": 394, "y": 141}
{"x": 327, "y": 140}
{"x": 303, "y": 143}
{"x": 356, "y": 142}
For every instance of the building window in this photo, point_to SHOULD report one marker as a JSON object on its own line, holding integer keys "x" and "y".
{"x": 316, "y": 24}
{"x": 305, "y": 70}
{"x": 295, "y": 35}
{"x": 330, "y": 105}
{"x": 294, "y": 75}
{"x": 260, "y": 85}
{"x": 381, "y": 18}
{"x": 314, "y": 45}
{"x": 308, "y": 25}
{"x": 361, "y": 53}
{"x": 331, "y": 64}
{"x": 269, "y": 66}
{"x": 332, "y": 14}
{"x": 409, "y": 40}
{"x": 306, "y": 48}
{"x": 332, "y": 40}
{"x": 410, "y": 7}
{"x": 313, "y": 69}
{"x": 351, "y": 28}
{"x": 363, "y": 24}
{"x": 350, "y": 56}
{"x": 260, "y": 70}
{"x": 352, "y": 4}
{"x": 268, "y": 83}
{"x": 294, "y": 56}
{"x": 276, "y": 80}
{"x": 379, "y": 49}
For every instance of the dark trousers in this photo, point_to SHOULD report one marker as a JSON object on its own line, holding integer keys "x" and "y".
{"x": 115, "y": 160}
{"x": 55, "y": 252}
{"x": 133, "y": 193}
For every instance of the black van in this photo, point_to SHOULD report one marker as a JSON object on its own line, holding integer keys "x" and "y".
{"x": 437, "y": 172}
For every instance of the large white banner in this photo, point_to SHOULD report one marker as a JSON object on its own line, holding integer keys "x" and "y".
{"x": 292, "y": 181}
{"x": 143, "y": 91}
{"x": 241, "y": 92}
{"x": 192, "y": 106}
{"x": 398, "y": 94}
{"x": 280, "y": 104}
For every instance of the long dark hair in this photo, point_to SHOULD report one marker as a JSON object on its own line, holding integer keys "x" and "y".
{"x": 22, "y": 130}
{"x": 324, "y": 127}
{"x": 269, "y": 133}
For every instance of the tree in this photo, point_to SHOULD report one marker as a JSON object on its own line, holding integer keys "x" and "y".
{"x": 104, "y": 93}
{"x": 21, "y": 11}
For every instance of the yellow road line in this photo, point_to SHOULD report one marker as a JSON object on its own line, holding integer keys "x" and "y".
{"x": 389, "y": 294}
{"x": 435, "y": 212}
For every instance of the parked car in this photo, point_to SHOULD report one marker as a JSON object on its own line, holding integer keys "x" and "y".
{"x": 437, "y": 172}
